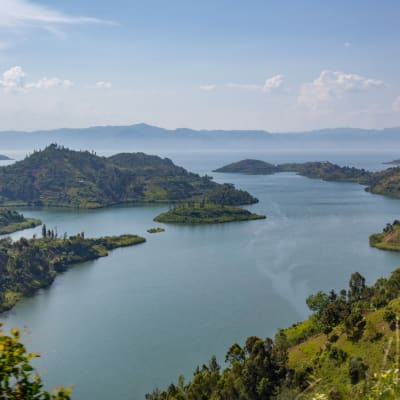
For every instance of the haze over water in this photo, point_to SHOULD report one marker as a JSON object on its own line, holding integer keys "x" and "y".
{"x": 120, "y": 326}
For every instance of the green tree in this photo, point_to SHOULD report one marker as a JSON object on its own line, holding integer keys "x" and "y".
{"x": 18, "y": 379}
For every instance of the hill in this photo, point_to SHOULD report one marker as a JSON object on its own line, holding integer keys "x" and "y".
{"x": 57, "y": 176}
{"x": 12, "y": 221}
{"x": 250, "y": 167}
{"x": 206, "y": 214}
{"x": 4, "y": 158}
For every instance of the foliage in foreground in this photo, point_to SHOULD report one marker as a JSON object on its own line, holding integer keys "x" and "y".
{"x": 18, "y": 379}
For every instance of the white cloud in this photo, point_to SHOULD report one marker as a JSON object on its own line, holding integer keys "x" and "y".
{"x": 273, "y": 83}
{"x": 243, "y": 86}
{"x": 103, "y": 85}
{"x": 14, "y": 80}
{"x": 25, "y": 13}
{"x": 46, "y": 83}
{"x": 346, "y": 44}
{"x": 333, "y": 85}
{"x": 396, "y": 105}
{"x": 208, "y": 88}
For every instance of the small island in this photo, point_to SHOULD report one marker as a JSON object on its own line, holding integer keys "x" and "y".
{"x": 388, "y": 239}
{"x": 29, "y": 265}
{"x": 249, "y": 167}
{"x": 155, "y": 230}
{"x": 4, "y": 158}
{"x": 12, "y": 221}
{"x": 206, "y": 214}
{"x": 393, "y": 162}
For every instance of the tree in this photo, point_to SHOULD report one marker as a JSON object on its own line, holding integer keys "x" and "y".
{"x": 18, "y": 380}
{"x": 357, "y": 288}
{"x": 318, "y": 302}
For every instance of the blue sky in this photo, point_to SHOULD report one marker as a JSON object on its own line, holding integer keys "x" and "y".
{"x": 273, "y": 65}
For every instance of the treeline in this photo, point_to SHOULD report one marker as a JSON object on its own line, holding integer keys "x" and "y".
{"x": 30, "y": 264}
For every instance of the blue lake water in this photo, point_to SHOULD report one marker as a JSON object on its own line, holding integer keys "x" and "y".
{"x": 120, "y": 326}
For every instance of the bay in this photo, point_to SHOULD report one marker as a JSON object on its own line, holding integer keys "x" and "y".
{"x": 120, "y": 326}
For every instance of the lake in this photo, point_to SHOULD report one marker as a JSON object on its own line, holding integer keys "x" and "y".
{"x": 120, "y": 326}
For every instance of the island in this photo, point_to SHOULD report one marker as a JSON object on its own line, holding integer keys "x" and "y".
{"x": 59, "y": 177}
{"x": 388, "y": 239}
{"x": 155, "y": 230}
{"x": 29, "y": 265}
{"x": 206, "y": 214}
{"x": 4, "y": 158}
{"x": 393, "y": 162}
{"x": 386, "y": 182}
{"x": 12, "y": 221}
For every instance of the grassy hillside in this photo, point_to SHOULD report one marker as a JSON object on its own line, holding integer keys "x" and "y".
{"x": 12, "y": 221}
{"x": 57, "y": 176}
{"x": 206, "y": 214}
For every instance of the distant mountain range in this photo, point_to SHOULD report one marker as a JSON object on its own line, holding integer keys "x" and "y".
{"x": 143, "y": 137}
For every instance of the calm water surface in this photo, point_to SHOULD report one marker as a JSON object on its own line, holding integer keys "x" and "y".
{"x": 120, "y": 326}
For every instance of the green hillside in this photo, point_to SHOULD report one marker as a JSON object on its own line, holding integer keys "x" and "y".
{"x": 57, "y": 176}
{"x": 206, "y": 214}
{"x": 12, "y": 221}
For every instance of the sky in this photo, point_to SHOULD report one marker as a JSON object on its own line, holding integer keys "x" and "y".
{"x": 280, "y": 66}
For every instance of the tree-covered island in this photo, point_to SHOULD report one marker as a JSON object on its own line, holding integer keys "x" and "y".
{"x": 27, "y": 265}
{"x": 4, "y": 158}
{"x": 386, "y": 182}
{"x": 60, "y": 177}
{"x": 12, "y": 221}
{"x": 199, "y": 213}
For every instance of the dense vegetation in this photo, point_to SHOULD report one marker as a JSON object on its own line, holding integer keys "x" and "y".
{"x": 332, "y": 355}
{"x": 388, "y": 239}
{"x": 28, "y": 265}
{"x": 57, "y": 176}
{"x": 18, "y": 379}
{"x": 12, "y": 221}
{"x": 385, "y": 182}
{"x": 206, "y": 213}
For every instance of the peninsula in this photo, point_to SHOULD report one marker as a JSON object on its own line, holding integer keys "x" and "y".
{"x": 12, "y": 221}
{"x": 206, "y": 214}
{"x": 388, "y": 239}
{"x": 386, "y": 182}
{"x": 29, "y": 265}
{"x": 60, "y": 177}
{"x": 4, "y": 158}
